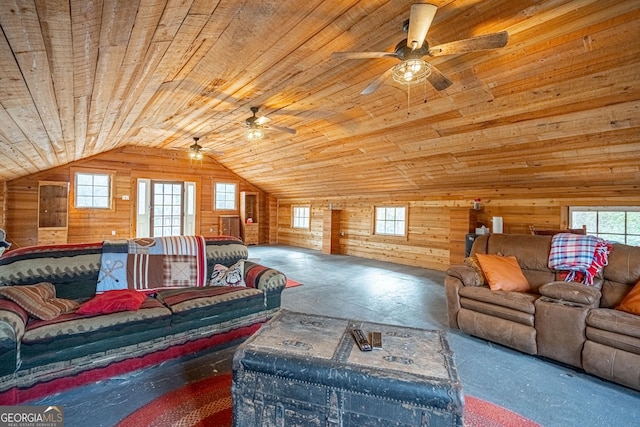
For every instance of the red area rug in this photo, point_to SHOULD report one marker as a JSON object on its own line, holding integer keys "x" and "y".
{"x": 208, "y": 403}
{"x": 292, "y": 284}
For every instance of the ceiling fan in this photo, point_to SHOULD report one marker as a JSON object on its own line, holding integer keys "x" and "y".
{"x": 411, "y": 51}
{"x": 196, "y": 151}
{"x": 255, "y": 126}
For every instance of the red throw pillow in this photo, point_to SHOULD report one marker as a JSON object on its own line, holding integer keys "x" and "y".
{"x": 113, "y": 301}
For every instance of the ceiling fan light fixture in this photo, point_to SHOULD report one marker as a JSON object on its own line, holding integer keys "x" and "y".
{"x": 411, "y": 71}
{"x": 195, "y": 155}
{"x": 254, "y": 133}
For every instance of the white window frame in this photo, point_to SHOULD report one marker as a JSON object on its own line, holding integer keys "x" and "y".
{"x": 93, "y": 197}
{"x": 626, "y": 236}
{"x": 386, "y": 216}
{"x": 223, "y": 204}
{"x": 301, "y": 216}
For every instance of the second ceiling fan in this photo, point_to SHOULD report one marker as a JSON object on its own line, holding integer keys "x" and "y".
{"x": 255, "y": 126}
{"x": 411, "y": 51}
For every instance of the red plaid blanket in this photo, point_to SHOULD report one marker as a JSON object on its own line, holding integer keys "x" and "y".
{"x": 583, "y": 257}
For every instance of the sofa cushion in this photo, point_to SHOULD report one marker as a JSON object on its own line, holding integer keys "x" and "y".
{"x": 623, "y": 264}
{"x": 503, "y": 273}
{"x": 505, "y": 332}
{"x": 39, "y": 300}
{"x": 498, "y": 311}
{"x": 516, "y": 300}
{"x": 211, "y": 302}
{"x": 531, "y": 251}
{"x": 78, "y": 324}
{"x": 631, "y": 303}
{"x": 614, "y": 321}
{"x": 571, "y": 292}
{"x": 112, "y": 302}
{"x": 613, "y": 339}
{"x": 73, "y": 335}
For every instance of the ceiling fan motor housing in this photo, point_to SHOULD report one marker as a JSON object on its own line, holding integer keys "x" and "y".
{"x": 404, "y": 52}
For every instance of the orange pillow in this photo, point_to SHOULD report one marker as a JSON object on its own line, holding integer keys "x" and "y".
{"x": 631, "y": 303}
{"x": 503, "y": 273}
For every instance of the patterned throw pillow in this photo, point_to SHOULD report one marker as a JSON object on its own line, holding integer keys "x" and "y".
{"x": 39, "y": 300}
{"x": 472, "y": 262}
{"x": 232, "y": 276}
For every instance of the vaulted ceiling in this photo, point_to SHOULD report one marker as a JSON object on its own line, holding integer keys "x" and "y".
{"x": 558, "y": 106}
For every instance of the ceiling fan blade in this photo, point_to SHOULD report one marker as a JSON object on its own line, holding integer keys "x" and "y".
{"x": 212, "y": 152}
{"x": 486, "y": 42}
{"x": 438, "y": 80}
{"x": 374, "y": 85}
{"x": 282, "y": 129}
{"x": 262, "y": 120}
{"x": 362, "y": 55}
{"x": 419, "y": 23}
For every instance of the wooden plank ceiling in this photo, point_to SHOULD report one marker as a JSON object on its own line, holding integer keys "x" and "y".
{"x": 558, "y": 106}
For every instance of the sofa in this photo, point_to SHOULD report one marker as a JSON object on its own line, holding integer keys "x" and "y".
{"x": 83, "y": 333}
{"x": 568, "y": 322}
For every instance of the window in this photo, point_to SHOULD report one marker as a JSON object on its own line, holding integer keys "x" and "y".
{"x": 225, "y": 196}
{"x": 391, "y": 220}
{"x": 301, "y": 217}
{"x": 615, "y": 224}
{"x": 93, "y": 190}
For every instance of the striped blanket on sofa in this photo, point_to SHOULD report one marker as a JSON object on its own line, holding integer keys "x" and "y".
{"x": 148, "y": 264}
{"x": 583, "y": 257}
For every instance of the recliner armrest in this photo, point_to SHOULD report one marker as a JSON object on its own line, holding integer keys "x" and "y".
{"x": 465, "y": 274}
{"x": 571, "y": 292}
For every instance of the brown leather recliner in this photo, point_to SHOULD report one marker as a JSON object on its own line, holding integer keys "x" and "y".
{"x": 564, "y": 321}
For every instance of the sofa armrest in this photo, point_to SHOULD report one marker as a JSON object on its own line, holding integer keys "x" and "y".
{"x": 263, "y": 278}
{"x": 572, "y": 293}
{"x": 465, "y": 274}
{"x": 458, "y": 276}
{"x": 13, "y": 321}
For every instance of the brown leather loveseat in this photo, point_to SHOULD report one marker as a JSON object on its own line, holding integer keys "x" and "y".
{"x": 568, "y": 322}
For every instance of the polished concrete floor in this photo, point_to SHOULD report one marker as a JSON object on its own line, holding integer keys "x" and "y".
{"x": 356, "y": 288}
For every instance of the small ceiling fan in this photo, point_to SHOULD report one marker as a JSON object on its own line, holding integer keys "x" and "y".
{"x": 411, "y": 51}
{"x": 197, "y": 151}
{"x": 255, "y": 126}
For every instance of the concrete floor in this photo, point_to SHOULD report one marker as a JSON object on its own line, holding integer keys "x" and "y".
{"x": 344, "y": 286}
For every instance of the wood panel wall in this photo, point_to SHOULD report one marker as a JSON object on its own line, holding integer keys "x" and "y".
{"x": 427, "y": 243}
{"x": 127, "y": 165}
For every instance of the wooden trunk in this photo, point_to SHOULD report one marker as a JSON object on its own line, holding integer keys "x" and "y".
{"x": 305, "y": 370}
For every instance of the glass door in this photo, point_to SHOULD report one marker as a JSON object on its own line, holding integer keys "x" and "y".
{"x": 166, "y": 208}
